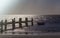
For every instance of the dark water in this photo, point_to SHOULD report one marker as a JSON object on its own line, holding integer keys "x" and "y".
{"x": 52, "y": 24}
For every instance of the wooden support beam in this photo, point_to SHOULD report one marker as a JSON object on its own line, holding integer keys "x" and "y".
{"x": 13, "y": 24}
{"x": 1, "y": 26}
{"x": 5, "y": 25}
{"x": 32, "y": 21}
{"x": 20, "y": 22}
{"x": 26, "y": 22}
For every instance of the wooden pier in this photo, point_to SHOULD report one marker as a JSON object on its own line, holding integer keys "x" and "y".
{"x": 13, "y": 22}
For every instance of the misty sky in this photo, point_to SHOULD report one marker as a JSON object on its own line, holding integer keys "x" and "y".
{"x": 36, "y": 7}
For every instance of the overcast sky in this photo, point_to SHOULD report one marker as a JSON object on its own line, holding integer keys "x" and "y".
{"x": 36, "y": 7}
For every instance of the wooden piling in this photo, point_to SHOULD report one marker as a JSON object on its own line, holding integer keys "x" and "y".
{"x": 13, "y": 24}
{"x": 26, "y": 22}
{"x": 5, "y": 25}
{"x": 20, "y": 22}
{"x": 1, "y": 26}
{"x": 31, "y": 21}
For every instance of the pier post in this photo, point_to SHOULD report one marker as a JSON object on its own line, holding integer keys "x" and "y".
{"x": 13, "y": 24}
{"x": 26, "y": 22}
{"x": 5, "y": 25}
{"x": 32, "y": 21}
{"x": 1, "y": 26}
{"x": 20, "y": 22}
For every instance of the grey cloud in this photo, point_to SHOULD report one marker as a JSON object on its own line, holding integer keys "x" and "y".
{"x": 35, "y": 7}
